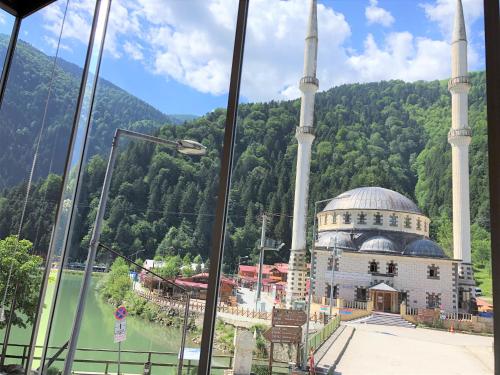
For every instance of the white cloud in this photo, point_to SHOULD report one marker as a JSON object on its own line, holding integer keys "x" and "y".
{"x": 191, "y": 43}
{"x": 374, "y": 14}
{"x": 402, "y": 57}
{"x": 133, "y": 50}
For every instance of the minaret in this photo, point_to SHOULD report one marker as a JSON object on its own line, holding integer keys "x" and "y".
{"x": 460, "y": 137}
{"x": 309, "y": 84}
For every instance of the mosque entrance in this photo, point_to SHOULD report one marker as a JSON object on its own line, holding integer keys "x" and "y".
{"x": 384, "y": 297}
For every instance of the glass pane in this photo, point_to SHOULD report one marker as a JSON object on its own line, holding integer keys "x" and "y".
{"x": 156, "y": 78}
{"x": 35, "y": 126}
{"x": 386, "y": 205}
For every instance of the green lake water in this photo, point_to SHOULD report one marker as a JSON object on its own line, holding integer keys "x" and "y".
{"x": 98, "y": 329}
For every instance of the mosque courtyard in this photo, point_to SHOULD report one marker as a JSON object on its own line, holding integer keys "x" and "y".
{"x": 377, "y": 349}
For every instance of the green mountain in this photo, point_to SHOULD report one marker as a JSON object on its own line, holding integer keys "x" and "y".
{"x": 22, "y": 114}
{"x": 391, "y": 134}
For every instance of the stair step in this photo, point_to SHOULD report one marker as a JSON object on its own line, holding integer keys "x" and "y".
{"x": 385, "y": 319}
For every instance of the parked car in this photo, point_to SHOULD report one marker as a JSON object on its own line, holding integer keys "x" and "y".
{"x": 478, "y": 291}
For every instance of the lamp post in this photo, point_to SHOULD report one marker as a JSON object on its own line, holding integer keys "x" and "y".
{"x": 187, "y": 147}
{"x": 311, "y": 281}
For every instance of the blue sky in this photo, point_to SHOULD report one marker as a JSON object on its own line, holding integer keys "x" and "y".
{"x": 176, "y": 54}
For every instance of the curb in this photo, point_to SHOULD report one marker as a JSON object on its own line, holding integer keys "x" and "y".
{"x": 331, "y": 370}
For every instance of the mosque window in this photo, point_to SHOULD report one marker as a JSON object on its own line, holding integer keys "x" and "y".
{"x": 407, "y": 222}
{"x": 362, "y": 218}
{"x": 432, "y": 272}
{"x": 373, "y": 266}
{"x": 433, "y": 300}
{"x": 393, "y": 220}
{"x": 425, "y": 226}
{"x": 330, "y": 263}
{"x": 392, "y": 268}
{"x": 347, "y": 218}
{"x": 334, "y": 218}
{"x": 378, "y": 219}
{"x": 361, "y": 294}
{"x": 419, "y": 224}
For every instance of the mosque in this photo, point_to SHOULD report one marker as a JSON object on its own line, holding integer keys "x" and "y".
{"x": 386, "y": 255}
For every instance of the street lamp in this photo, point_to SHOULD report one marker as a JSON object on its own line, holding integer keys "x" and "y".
{"x": 311, "y": 281}
{"x": 187, "y": 147}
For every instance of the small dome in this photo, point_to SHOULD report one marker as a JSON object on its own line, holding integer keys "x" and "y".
{"x": 424, "y": 248}
{"x": 372, "y": 198}
{"x": 379, "y": 243}
{"x": 340, "y": 239}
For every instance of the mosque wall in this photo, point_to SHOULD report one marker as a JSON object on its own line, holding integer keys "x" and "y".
{"x": 423, "y": 279}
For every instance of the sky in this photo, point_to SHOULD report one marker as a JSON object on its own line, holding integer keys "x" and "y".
{"x": 176, "y": 54}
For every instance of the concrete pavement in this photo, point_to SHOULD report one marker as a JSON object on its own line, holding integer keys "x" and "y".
{"x": 377, "y": 349}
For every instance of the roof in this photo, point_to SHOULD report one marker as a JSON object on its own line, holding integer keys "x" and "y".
{"x": 383, "y": 287}
{"x": 191, "y": 284}
{"x": 459, "y": 32}
{"x": 223, "y": 279}
{"x": 424, "y": 248}
{"x": 372, "y": 198}
{"x": 341, "y": 240}
{"x": 379, "y": 244}
{"x": 246, "y": 268}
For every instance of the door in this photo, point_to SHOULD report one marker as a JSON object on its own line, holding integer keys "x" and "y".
{"x": 387, "y": 302}
{"x": 379, "y": 301}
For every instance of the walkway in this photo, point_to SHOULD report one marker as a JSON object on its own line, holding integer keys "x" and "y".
{"x": 376, "y": 349}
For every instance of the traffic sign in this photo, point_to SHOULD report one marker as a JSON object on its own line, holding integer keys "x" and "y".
{"x": 283, "y": 334}
{"x": 120, "y": 330}
{"x": 284, "y": 317}
{"x": 121, "y": 313}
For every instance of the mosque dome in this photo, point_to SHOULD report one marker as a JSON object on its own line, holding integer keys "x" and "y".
{"x": 341, "y": 240}
{"x": 372, "y": 198}
{"x": 379, "y": 244}
{"x": 424, "y": 248}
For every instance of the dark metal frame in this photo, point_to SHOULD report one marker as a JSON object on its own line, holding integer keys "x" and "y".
{"x": 67, "y": 165}
{"x": 23, "y": 8}
{"x": 219, "y": 230}
{"x": 492, "y": 47}
{"x": 9, "y": 56}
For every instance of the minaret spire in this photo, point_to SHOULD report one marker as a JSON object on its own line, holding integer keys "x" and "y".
{"x": 304, "y": 133}
{"x": 459, "y": 137}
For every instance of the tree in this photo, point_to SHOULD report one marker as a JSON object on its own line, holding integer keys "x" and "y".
{"x": 25, "y": 279}
{"x": 117, "y": 283}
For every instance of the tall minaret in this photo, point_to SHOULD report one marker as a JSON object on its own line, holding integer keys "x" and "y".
{"x": 460, "y": 137}
{"x": 309, "y": 84}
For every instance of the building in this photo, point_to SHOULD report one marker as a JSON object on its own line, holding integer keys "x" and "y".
{"x": 309, "y": 84}
{"x": 387, "y": 256}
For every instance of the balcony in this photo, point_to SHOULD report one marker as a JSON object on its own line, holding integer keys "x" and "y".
{"x": 454, "y": 133}
{"x": 304, "y": 130}
{"x": 462, "y": 80}
{"x": 309, "y": 81}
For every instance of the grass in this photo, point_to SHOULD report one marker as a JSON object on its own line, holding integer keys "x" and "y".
{"x": 482, "y": 274}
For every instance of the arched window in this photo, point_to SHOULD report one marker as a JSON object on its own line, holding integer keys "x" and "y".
{"x": 419, "y": 224}
{"x": 334, "y": 218}
{"x": 392, "y": 268}
{"x": 393, "y": 220}
{"x": 362, "y": 218}
{"x": 373, "y": 266}
{"x": 407, "y": 222}
{"x": 378, "y": 219}
{"x": 347, "y": 218}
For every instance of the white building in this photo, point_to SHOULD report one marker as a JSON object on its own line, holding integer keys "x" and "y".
{"x": 387, "y": 255}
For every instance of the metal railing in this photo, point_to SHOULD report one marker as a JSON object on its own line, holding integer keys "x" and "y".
{"x": 308, "y": 80}
{"x": 465, "y": 132}
{"x": 459, "y": 316}
{"x": 304, "y": 130}
{"x": 411, "y": 310}
{"x": 316, "y": 340}
{"x": 359, "y": 305}
{"x": 462, "y": 80}
{"x": 157, "y": 360}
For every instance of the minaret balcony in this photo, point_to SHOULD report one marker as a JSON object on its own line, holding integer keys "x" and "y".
{"x": 309, "y": 80}
{"x": 304, "y": 130}
{"x": 458, "y": 81}
{"x": 458, "y": 133}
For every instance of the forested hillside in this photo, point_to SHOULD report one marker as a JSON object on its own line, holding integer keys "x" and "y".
{"x": 23, "y": 111}
{"x": 390, "y": 134}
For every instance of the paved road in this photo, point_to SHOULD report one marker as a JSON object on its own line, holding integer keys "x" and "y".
{"x": 376, "y": 349}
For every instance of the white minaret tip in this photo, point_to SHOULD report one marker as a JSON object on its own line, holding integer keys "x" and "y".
{"x": 312, "y": 25}
{"x": 459, "y": 32}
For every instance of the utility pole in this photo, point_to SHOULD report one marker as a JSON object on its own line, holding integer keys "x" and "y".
{"x": 261, "y": 261}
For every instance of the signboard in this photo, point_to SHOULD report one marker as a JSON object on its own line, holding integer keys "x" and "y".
{"x": 121, "y": 313}
{"x": 324, "y": 308}
{"x": 120, "y": 330}
{"x": 345, "y": 311}
{"x": 284, "y": 317}
{"x": 283, "y": 334}
{"x": 191, "y": 354}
